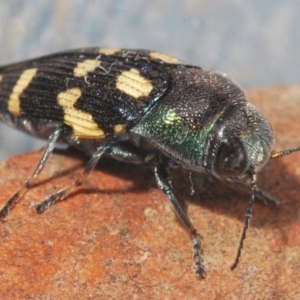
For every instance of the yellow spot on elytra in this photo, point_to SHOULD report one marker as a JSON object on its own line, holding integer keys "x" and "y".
{"x": 109, "y": 51}
{"x": 24, "y": 80}
{"x": 82, "y": 123}
{"x": 86, "y": 66}
{"x": 164, "y": 57}
{"x": 119, "y": 128}
{"x": 134, "y": 84}
{"x": 1, "y": 77}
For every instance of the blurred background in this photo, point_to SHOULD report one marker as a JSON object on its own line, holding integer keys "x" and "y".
{"x": 257, "y": 43}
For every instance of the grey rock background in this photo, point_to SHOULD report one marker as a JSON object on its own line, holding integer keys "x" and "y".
{"x": 255, "y": 42}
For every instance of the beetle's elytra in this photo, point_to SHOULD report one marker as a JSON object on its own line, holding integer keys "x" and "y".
{"x": 138, "y": 106}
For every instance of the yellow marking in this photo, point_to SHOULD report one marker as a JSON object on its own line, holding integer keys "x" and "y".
{"x": 82, "y": 123}
{"x": 86, "y": 66}
{"x": 164, "y": 57}
{"x": 24, "y": 80}
{"x": 109, "y": 51}
{"x": 1, "y": 77}
{"x": 119, "y": 128}
{"x": 134, "y": 84}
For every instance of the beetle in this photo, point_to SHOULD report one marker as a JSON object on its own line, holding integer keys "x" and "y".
{"x": 138, "y": 106}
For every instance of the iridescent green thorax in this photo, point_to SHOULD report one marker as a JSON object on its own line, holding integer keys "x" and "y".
{"x": 173, "y": 135}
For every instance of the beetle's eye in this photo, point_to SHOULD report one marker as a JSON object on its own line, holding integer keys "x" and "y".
{"x": 231, "y": 158}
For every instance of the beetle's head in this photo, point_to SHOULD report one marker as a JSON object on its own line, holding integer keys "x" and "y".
{"x": 240, "y": 144}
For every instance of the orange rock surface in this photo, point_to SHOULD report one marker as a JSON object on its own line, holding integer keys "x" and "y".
{"x": 118, "y": 238}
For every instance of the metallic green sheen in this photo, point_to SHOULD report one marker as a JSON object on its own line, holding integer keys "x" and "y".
{"x": 174, "y": 136}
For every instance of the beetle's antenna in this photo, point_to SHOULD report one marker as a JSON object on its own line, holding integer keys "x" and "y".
{"x": 247, "y": 221}
{"x": 284, "y": 152}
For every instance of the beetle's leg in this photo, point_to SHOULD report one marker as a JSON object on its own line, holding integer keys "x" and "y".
{"x": 122, "y": 151}
{"x": 247, "y": 221}
{"x": 264, "y": 196}
{"x": 129, "y": 153}
{"x": 32, "y": 179}
{"x": 164, "y": 182}
{"x": 268, "y": 199}
{"x": 60, "y": 195}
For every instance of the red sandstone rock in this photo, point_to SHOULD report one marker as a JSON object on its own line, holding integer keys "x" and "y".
{"x": 118, "y": 238}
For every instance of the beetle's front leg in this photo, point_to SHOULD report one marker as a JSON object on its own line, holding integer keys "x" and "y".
{"x": 164, "y": 182}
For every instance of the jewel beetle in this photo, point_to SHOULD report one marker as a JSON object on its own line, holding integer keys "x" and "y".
{"x": 138, "y": 106}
